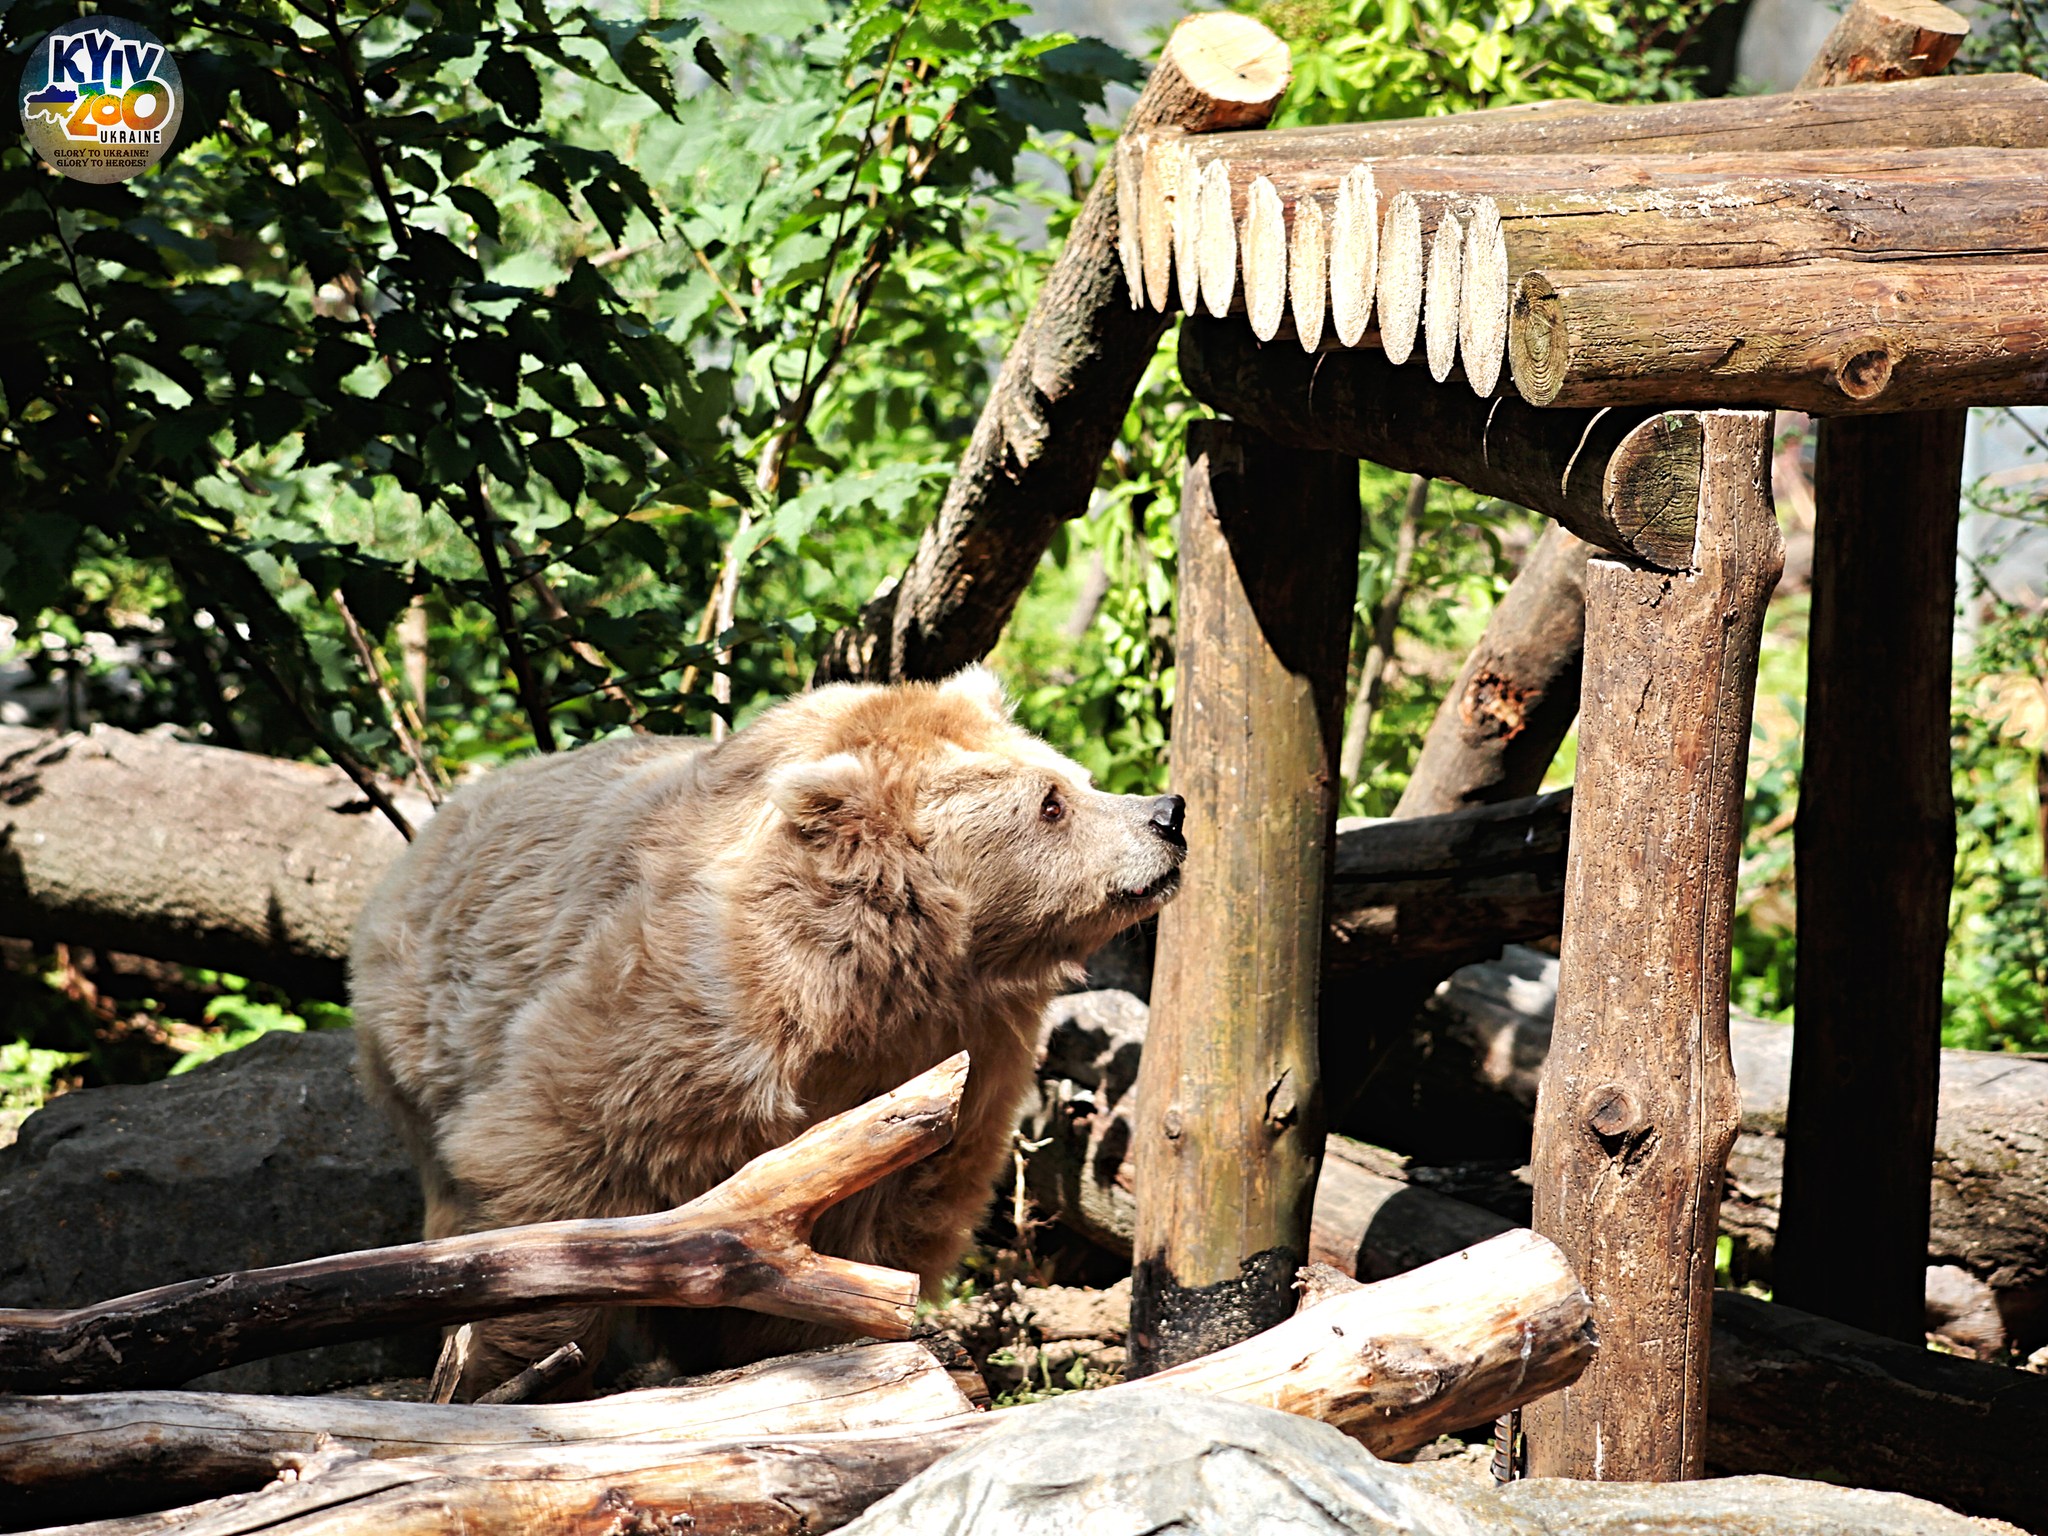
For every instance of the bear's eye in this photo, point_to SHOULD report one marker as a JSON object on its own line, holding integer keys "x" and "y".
{"x": 1052, "y": 807}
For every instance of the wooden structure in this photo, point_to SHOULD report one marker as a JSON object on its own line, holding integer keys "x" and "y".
{"x": 1592, "y": 312}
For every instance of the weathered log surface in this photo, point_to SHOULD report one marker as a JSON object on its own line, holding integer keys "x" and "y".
{"x": 1803, "y": 1396}
{"x": 1881, "y": 40}
{"x": 1828, "y": 338}
{"x": 1639, "y": 1103}
{"x": 1231, "y": 1125}
{"x": 95, "y": 1454}
{"x": 1514, "y": 700}
{"x": 744, "y": 1243}
{"x": 1391, "y": 1364}
{"x": 241, "y": 863}
{"x": 1560, "y": 463}
{"x": 1449, "y": 888}
{"x": 1064, "y": 387}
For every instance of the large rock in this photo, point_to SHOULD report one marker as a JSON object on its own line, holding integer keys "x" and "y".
{"x": 1135, "y": 1464}
{"x": 263, "y": 1157}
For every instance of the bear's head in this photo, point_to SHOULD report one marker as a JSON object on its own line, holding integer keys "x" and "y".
{"x": 924, "y": 818}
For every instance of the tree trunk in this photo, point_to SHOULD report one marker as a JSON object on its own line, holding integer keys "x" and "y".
{"x": 194, "y": 854}
{"x": 744, "y": 1243}
{"x": 1226, "y": 1149}
{"x": 1639, "y": 1102}
{"x": 1513, "y": 703}
{"x": 1559, "y": 463}
{"x": 1828, "y": 338}
{"x": 1060, "y": 399}
{"x": 1393, "y": 1364}
{"x": 78, "y": 1457}
{"x": 1876, "y": 854}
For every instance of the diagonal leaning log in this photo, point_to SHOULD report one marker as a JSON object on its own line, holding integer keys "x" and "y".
{"x": 743, "y": 1244}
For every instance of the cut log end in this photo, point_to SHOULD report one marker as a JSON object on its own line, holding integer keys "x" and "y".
{"x": 1539, "y": 348}
{"x": 1354, "y": 254}
{"x": 1161, "y": 163}
{"x": 1128, "y": 170}
{"x": 1881, "y": 40}
{"x": 1186, "y": 209}
{"x": 1400, "y": 277}
{"x": 1483, "y": 306}
{"x": 1308, "y": 261}
{"x": 1652, "y": 488}
{"x": 1265, "y": 259}
{"x": 1215, "y": 240}
{"x": 1442, "y": 296}
{"x": 1233, "y": 61}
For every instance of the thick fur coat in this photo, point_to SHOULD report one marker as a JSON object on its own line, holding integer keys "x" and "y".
{"x": 601, "y": 981}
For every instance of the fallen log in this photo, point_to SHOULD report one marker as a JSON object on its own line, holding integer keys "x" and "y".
{"x": 1061, "y": 395}
{"x": 744, "y": 1243}
{"x": 1828, "y": 338}
{"x": 98, "y": 1454}
{"x": 1394, "y": 1364}
{"x": 188, "y": 853}
{"x": 1803, "y": 1396}
{"x": 1564, "y": 464}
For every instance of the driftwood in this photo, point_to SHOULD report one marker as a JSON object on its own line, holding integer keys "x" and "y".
{"x": 1393, "y": 1364}
{"x": 1063, "y": 390}
{"x": 744, "y": 1243}
{"x": 96, "y": 1454}
{"x": 1565, "y": 464}
{"x": 1227, "y": 1156}
{"x": 1828, "y": 338}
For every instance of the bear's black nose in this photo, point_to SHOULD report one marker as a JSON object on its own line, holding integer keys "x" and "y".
{"x": 1167, "y": 814}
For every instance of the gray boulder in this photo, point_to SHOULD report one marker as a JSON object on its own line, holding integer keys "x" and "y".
{"x": 1173, "y": 1464}
{"x": 266, "y": 1156}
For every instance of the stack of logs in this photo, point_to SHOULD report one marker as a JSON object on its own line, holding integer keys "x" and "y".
{"x": 1867, "y": 248}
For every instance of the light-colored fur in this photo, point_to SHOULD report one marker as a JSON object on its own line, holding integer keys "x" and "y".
{"x": 601, "y": 981}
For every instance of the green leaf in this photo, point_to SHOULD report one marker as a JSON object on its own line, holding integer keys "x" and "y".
{"x": 560, "y": 465}
{"x": 507, "y": 77}
{"x": 484, "y": 213}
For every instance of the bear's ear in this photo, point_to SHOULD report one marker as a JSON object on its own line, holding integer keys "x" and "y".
{"x": 831, "y": 794}
{"x": 978, "y": 685}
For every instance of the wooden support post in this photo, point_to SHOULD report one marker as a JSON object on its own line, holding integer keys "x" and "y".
{"x": 1875, "y": 847}
{"x": 1230, "y": 1128}
{"x": 1639, "y": 1105}
{"x": 1876, "y": 853}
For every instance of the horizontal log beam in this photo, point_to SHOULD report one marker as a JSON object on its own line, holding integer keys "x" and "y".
{"x": 1564, "y": 464}
{"x": 1828, "y": 338}
{"x": 744, "y": 1243}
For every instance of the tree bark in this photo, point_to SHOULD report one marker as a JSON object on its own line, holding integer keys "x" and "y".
{"x": 1829, "y": 338}
{"x": 1232, "y": 1129}
{"x": 1393, "y": 1364}
{"x": 1064, "y": 388}
{"x": 1500, "y": 725}
{"x": 744, "y": 1243}
{"x": 1639, "y": 1102}
{"x": 1876, "y": 854}
{"x": 79, "y": 1457}
{"x": 1882, "y": 40}
{"x": 1559, "y": 463}
{"x": 194, "y": 854}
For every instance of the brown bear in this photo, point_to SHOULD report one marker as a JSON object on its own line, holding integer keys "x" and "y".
{"x": 601, "y": 981}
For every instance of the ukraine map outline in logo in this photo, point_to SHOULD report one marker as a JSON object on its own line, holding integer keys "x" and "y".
{"x": 101, "y": 99}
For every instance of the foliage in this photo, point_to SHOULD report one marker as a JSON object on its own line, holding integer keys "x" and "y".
{"x": 2010, "y": 36}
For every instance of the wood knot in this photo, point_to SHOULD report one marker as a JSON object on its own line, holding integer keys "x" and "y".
{"x": 1613, "y": 1113}
{"x": 1171, "y": 1124}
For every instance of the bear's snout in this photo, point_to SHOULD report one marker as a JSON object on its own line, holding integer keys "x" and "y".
{"x": 1168, "y": 812}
